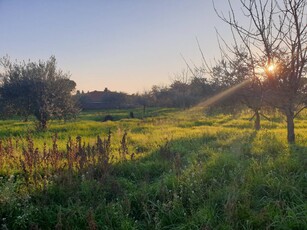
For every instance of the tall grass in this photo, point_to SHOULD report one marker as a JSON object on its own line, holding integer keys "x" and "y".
{"x": 166, "y": 171}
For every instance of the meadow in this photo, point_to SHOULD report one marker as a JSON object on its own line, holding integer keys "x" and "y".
{"x": 169, "y": 169}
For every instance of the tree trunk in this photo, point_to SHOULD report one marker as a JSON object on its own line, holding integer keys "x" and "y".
{"x": 257, "y": 120}
{"x": 43, "y": 124}
{"x": 290, "y": 127}
{"x": 144, "y": 110}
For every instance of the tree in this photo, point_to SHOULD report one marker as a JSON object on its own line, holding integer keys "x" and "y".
{"x": 161, "y": 96}
{"x": 275, "y": 40}
{"x": 231, "y": 73}
{"x": 144, "y": 100}
{"x": 200, "y": 88}
{"x": 180, "y": 90}
{"x": 38, "y": 89}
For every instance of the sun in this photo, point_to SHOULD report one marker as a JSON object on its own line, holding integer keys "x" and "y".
{"x": 271, "y": 68}
{"x": 268, "y": 70}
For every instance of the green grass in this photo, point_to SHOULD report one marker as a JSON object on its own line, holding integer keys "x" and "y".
{"x": 182, "y": 170}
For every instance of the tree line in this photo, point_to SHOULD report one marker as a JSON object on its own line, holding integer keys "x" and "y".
{"x": 41, "y": 90}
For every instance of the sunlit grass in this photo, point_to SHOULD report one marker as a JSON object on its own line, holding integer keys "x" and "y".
{"x": 184, "y": 170}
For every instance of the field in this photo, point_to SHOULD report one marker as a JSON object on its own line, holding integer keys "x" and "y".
{"x": 168, "y": 170}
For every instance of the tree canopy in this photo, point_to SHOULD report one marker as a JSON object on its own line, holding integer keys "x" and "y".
{"x": 37, "y": 88}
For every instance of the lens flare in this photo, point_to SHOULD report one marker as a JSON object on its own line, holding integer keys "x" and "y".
{"x": 208, "y": 102}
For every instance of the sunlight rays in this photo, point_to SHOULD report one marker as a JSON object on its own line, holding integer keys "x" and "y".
{"x": 220, "y": 96}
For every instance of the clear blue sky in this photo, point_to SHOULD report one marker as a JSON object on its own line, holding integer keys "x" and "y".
{"x": 125, "y": 45}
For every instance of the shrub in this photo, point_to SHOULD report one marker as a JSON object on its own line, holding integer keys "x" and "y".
{"x": 108, "y": 118}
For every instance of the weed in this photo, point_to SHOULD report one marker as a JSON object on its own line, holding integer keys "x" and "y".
{"x": 167, "y": 171}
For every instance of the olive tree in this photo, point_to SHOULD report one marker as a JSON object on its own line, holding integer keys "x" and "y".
{"x": 39, "y": 89}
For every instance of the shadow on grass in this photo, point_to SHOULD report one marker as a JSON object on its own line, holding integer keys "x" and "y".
{"x": 66, "y": 198}
{"x": 186, "y": 183}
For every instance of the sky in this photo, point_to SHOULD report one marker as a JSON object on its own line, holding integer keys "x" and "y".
{"x": 124, "y": 45}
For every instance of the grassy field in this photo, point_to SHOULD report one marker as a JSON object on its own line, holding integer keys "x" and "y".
{"x": 168, "y": 170}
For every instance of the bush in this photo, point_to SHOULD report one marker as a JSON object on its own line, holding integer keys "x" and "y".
{"x": 108, "y": 118}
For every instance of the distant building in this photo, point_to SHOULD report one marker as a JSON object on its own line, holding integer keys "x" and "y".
{"x": 104, "y": 100}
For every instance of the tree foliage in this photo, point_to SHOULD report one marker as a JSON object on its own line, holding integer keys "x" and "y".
{"x": 38, "y": 89}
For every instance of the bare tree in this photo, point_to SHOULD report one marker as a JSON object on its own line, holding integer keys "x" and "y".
{"x": 235, "y": 81}
{"x": 275, "y": 40}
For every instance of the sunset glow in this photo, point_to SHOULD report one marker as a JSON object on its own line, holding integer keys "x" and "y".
{"x": 271, "y": 68}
